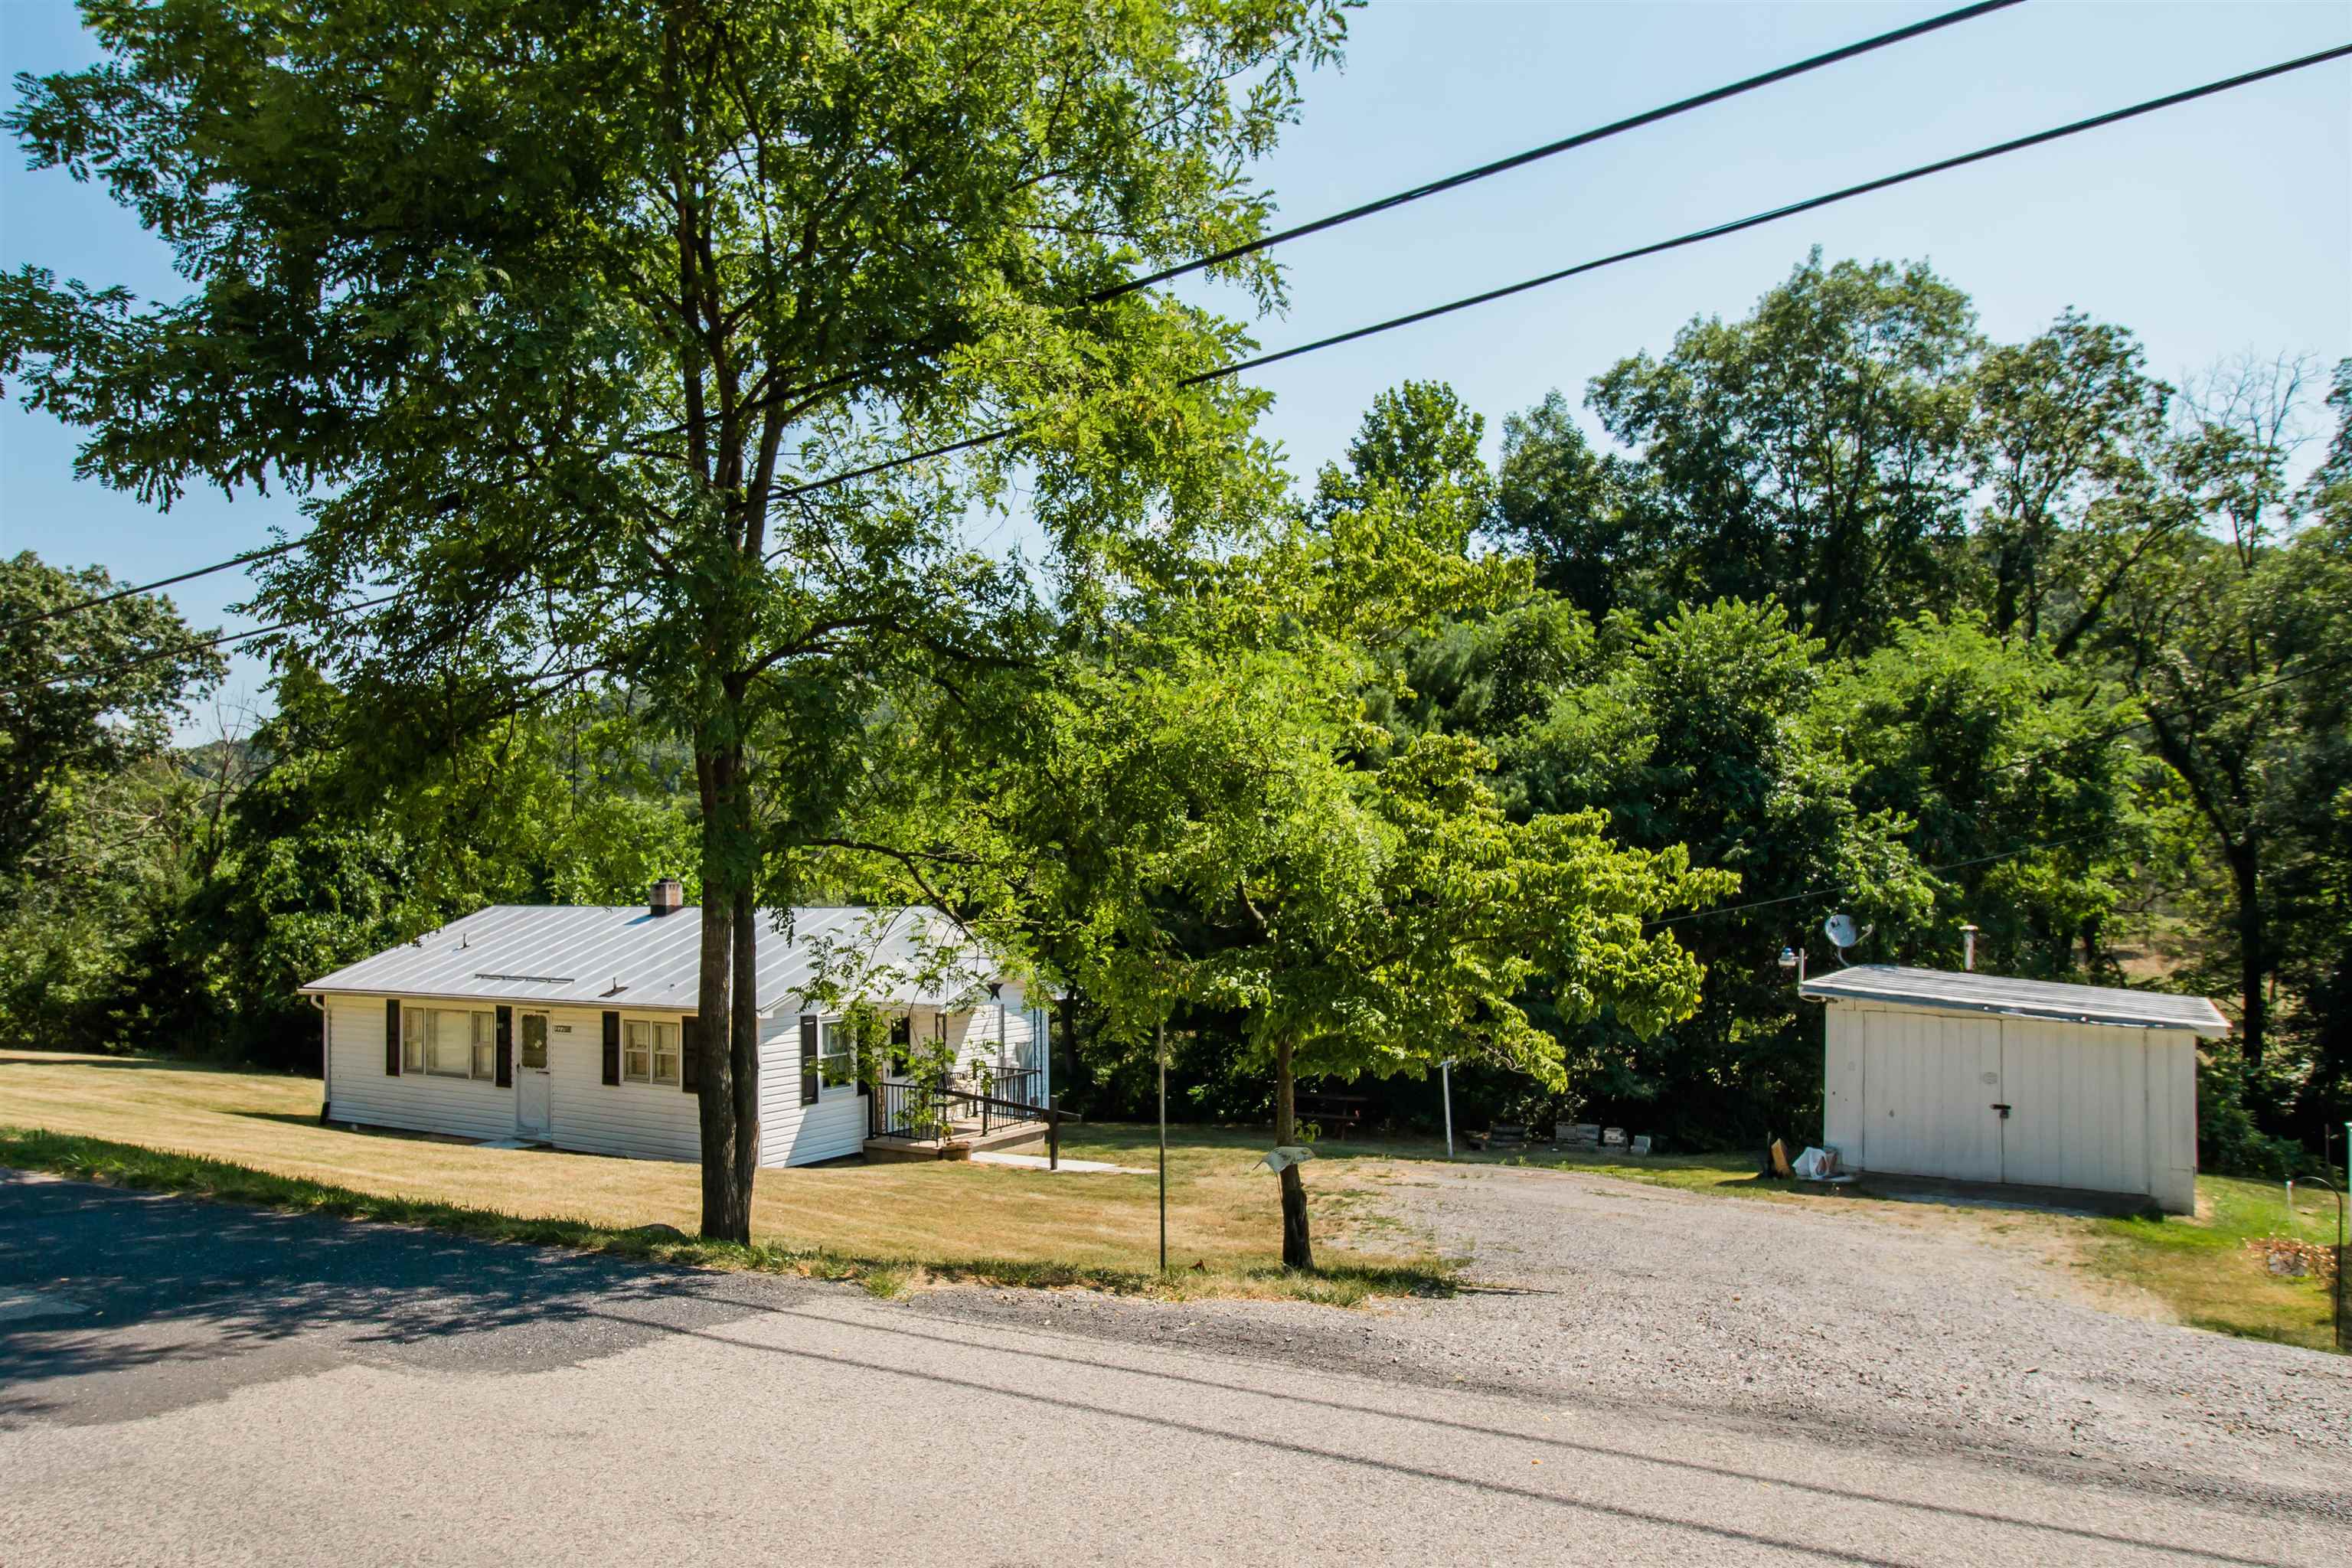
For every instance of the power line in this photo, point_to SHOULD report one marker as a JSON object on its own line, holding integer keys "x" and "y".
{"x": 1696, "y": 237}
{"x": 1775, "y": 215}
{"x": 1566, "y": 145}
{"x": 202, "y": 643}
{"x": 1836, "y": 888}
{"x": 92, "y": 603}
{"x": 1266, "y": 242}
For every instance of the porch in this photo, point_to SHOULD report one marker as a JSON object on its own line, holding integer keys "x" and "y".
{"x": 953, "y": 1118}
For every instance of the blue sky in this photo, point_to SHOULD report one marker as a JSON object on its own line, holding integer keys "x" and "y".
{"x": 2210, "y": 230}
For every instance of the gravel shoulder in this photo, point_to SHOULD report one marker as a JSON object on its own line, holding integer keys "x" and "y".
{"x": 1915, "y": 1328}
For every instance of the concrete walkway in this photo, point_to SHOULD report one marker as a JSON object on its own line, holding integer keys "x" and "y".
{"x": 1039, "y": 1162}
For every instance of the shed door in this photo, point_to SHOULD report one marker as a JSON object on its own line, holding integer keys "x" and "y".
{"x": 2078, "y": 1099}
{"x": 1928, "y": 1083}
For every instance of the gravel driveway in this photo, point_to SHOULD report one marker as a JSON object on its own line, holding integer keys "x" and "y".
{"x": 1866, "y": 1324}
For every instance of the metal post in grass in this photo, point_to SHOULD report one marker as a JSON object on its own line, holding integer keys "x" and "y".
{"x": 1445, "y": 1081}
{"x": 2343, "y": 1300}
{"x": 1160, "y": 1041}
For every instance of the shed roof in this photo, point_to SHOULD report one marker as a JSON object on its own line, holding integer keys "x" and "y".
{"x": 600, "y": 956}
{"x": 1973, "y": 992}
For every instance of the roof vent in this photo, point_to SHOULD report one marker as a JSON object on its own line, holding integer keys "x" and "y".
{"x": 668, "y": 896}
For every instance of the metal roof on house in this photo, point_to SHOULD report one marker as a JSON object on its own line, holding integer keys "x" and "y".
{"x": 630, "y": 957}
{"x": 1974, "y": 993}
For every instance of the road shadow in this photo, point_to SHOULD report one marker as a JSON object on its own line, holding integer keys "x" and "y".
{"x": 159, "y": 1280}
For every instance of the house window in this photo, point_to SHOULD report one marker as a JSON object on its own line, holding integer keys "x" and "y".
{"x": 448, "y": 1043}
{"x": 837, "y": 1060}
{"x": 648, "y": 1052}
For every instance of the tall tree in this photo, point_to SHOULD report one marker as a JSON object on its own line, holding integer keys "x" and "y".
{"x": 1702, "y": 732}
{"x": 2064, "y": 425}
{"x": 2013, "y": 769}
{"x": 83, "y": 696}
{"x": 555, "y": 312}
{"x": 1585, "y": 517}
{"x": 2207, "y": 636}
{"x": 94, "y": 813}
{"x": 1814, "y": 452}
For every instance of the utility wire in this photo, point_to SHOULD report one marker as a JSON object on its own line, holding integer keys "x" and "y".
{"x": 1718, "y": 231}
{"x": 179, "y": 650}
{"x": 1775, "y": 215}
{"x": 1565, "y": 144}
{"x": 1266, "y": 242}
{"x": 91, "y": 603}
{"x": 1836, "y": 888}
{"x": 1696, "y": 237}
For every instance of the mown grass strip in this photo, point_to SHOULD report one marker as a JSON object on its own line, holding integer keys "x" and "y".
{"x": 135, "y": 1166}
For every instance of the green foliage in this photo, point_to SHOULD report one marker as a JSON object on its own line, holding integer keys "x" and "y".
{"x": 83, "y": 697}
{"x": 99, "y": 828}
{"x": 1815, "y": 451}
{"x": 1989, "y": 748}
{"x": 339, "y": 850}
{"x": 1700, "y": 732}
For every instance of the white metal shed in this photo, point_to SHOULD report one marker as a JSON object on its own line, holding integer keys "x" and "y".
{"x": 1982, "y": 1078}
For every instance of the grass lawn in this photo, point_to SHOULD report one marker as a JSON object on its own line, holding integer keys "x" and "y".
{"x": 890, "y": 1225}
{"x": 2203, "y": 1269}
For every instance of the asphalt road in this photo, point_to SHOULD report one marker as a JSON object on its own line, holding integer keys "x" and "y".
{"x": 184, "y": 1383}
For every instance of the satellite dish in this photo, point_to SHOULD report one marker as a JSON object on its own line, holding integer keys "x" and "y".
{"x": 1839, "y": 929}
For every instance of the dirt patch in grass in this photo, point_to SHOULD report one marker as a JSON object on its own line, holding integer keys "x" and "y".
{"x": 254, "y": 1136}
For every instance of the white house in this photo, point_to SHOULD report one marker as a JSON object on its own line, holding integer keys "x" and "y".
{"x": 570, "y": 1027}
{"x": 1982, "y": 1078}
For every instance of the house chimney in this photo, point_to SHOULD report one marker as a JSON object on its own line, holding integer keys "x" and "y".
{"x": 667, "y": 897}
{"x": 1968, "y": 947}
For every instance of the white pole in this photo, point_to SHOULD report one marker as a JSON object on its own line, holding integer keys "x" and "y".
{"x": 1445, "y": 1077}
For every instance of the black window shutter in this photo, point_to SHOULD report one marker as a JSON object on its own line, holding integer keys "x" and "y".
{"x": 902, "y": 1043}
{"x": 857, "y": 1064}
{"x": 612, "y": 1047}
{"x": 690, "y": 1053}
{"x": 506, "y": 1048}
{"x": 808, "y": 1058}
{"x": 391, "y": 1036}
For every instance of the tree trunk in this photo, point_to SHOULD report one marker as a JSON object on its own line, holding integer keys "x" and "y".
{"x": 743, "y": 1043}
{"x": 1298, "y": 1245}
{"x": 2253, "y": 954}
{"x": 719, "y": 1001}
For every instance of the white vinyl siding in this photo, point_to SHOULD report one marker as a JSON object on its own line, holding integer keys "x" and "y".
{"x": 643, "y": 1121}
{"x": 362, "y": 1091}
{"x": 791, "y": 1133}
{"x": 640, "y": 1121}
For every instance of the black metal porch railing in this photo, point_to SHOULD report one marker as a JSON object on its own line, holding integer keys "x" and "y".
{"x": 918, "y": 1112}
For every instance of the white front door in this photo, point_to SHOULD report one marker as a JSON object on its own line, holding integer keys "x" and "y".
{"x": 533, "y": 1088}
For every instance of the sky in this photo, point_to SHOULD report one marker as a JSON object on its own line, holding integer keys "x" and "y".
{"x": 2220, "y": 229}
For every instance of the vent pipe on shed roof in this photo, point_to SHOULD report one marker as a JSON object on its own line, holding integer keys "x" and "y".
{"x": 1969, "y": 947}
{"x": 668, "y": 896}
